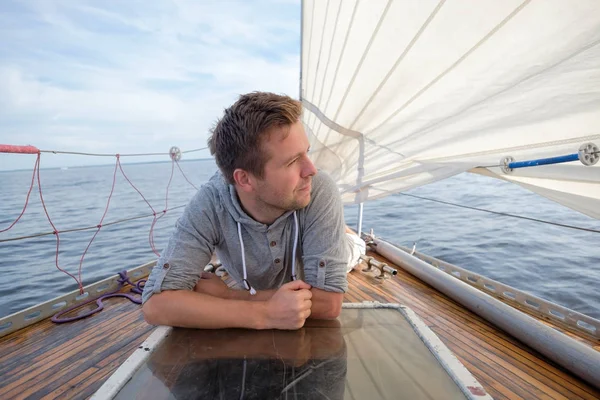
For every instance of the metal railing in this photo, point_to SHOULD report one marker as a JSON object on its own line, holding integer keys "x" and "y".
{"x": 31, "y": 315}
{"x": 533, "y": 305}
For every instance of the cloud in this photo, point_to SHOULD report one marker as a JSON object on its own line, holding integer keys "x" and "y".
{"x": 135, "y": 76}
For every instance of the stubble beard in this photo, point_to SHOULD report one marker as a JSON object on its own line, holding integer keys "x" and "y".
{"x": 297, "y": 201}
{"x": 293, "y": 204}
{"x": 284, "y": 205}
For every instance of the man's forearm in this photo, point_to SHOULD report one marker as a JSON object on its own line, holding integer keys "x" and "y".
{"x": 227, "y": 308}
{"x": 212, "y": 285}
{"x": 325, "y": 305}
{"x": 261, "y": 295}
{"x": 287, "y": 308}
{"x": 188, "y": 309}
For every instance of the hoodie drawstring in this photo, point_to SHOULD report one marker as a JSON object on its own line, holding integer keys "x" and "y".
{"x": 295, "y": 246}
{"x": 247, "y": 285}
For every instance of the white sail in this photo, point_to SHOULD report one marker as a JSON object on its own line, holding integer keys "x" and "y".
{"x": 398, "y": 94}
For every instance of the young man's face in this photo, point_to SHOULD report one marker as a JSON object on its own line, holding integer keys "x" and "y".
{"x": 286, "y": 184}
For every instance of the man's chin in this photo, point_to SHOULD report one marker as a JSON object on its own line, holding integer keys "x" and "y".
{"x": 304, "y": 202}
{"x": 299, "y": 204}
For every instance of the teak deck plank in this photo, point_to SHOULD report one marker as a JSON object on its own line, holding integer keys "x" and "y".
{"x": 72, "y": 360}
{"x": 46, "y": 360}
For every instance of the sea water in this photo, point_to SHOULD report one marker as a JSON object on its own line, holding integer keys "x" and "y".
{"x": 559, "y": 264}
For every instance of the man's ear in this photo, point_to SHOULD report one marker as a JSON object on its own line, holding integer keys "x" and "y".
{"x": 243, "y": 180}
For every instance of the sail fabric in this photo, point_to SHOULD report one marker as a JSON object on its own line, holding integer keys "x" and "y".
{"x": 399, "y": 94}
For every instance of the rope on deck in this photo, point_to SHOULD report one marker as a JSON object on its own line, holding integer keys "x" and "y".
{"x": 138, "y": 288}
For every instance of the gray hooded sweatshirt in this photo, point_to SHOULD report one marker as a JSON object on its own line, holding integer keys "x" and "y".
{"x": 210, "y": 224}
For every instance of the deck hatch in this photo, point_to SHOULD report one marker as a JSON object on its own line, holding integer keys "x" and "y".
{"x": 371, "y": 351}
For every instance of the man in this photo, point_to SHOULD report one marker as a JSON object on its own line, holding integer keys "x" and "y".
{"x": 274, "y": 222}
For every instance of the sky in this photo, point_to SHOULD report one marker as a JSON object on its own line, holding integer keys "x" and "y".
{"x": 135, "y": 76}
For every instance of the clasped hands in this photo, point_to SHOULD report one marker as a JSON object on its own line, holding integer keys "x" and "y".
{"x": 287, "y": 308}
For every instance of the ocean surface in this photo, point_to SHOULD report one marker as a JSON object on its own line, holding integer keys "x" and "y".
{"x": 558, "y": 264}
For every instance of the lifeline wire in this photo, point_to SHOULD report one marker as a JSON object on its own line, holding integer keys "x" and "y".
{"x": 87, "y": 228}
{"x": 504, "y": 214}
{"x": 113, "y": 155}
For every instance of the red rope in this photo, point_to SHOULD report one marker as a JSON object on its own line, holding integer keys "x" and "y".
{"x": 185, "y": 177}
{"x": 37, "y": 161}
{"x": 9, "y": 148}
{"x": 36, "y": 174}
{"x": 132, "y": 185}
{"x": 112, "y": 189}
{"x": 56, "y": 232}
{"x": 151, "y": 234}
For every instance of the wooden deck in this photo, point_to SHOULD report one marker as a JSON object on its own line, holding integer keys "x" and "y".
{"x": 505, "y": 367}
{"x": 47, "y": 361}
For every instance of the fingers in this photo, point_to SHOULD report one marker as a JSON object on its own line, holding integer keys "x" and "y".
{"x": 304, "y": 294}
{"x": 302, "y": 310}
{"x": 307, "y": 314}
{"x": 300, "y": 321}
{"x": 290, "y": 305}
{"x": 296, "y": 285}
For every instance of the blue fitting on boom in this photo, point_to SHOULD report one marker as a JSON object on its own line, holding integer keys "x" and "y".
{"x": 544, "y": 161}
{"x": 588, "y": 155}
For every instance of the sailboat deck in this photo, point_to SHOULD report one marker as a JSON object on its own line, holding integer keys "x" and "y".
{"x": 72, "y": 360}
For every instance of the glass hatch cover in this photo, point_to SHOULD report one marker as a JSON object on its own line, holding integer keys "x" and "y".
{"x": 367, "y": 353}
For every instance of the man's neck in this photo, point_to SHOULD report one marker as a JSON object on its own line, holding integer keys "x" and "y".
{"x": 258, "y": 210}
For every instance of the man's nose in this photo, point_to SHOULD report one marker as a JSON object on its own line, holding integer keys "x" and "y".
{"x": 308, "y": 168}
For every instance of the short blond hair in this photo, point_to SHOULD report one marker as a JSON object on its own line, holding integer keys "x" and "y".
{"x": 237, "y": 138}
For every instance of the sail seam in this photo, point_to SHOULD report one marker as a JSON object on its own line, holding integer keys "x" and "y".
{"x": 399, "y": 60}
{"x": 300, "y": 78}
{"x": 361, "y": 140}
{"x": 456, "y": 63}
{"x": 312, "y": 23}
{"x": 322, "y": 86}
{"x": 363, "y": 57}
{"x": 427, "y": 129}
{"x": 312, "y": 93}
{"x": 337, "y": 67}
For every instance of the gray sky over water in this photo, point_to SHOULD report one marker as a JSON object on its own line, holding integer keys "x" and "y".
{"x": 135, "y": 76}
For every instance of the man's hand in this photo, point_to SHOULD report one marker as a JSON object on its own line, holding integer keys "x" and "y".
{"x": 213, "y": 285}
{"x": 289, "y": 307}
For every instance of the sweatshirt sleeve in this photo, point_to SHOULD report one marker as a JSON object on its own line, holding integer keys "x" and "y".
{"x": 189, "y": 249}
{"x": 324, "y": 243}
